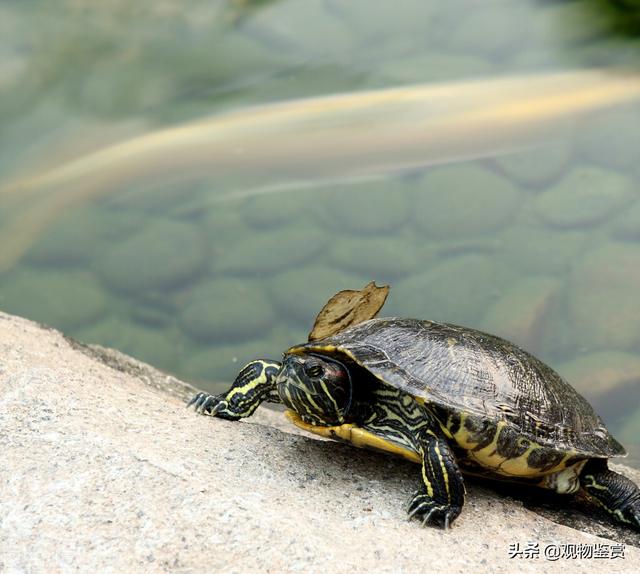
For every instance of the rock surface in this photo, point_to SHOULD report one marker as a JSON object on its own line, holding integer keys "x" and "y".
{"x": 105, "y": 470}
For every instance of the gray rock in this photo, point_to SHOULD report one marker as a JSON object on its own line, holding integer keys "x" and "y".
{"x": 164, "y": 254}
{"x": 537, "y": 167}
{"x": 373, "y": 208}
{"x": 627, "y": 225}
{"x": 226, "y": 310}
{"x": 455, "y": 290}
{"x": 535, "y": 249}
{"x": 68, "y": 300}
{"x": 604, "y": 303}
{"x": 385, "y": 259}
{"x": 105, "y": 470}
{"x": 297, "y": 304}
{"x": 271, "y": 251}
{"x": 519, "y": 314}
{"x": 585, "y": 197}
{"x": 612, "y": 138}
{"x": 464, "y": 201}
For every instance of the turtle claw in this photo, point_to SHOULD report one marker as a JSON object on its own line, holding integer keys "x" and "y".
{"x": 432, "y": 513}
{"x": 207, "y": 404}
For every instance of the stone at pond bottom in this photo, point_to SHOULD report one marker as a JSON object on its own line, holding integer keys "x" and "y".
{"x": 265, "y": 252}
{"x": 299, "y": 294}
{"x": 284, "y": 28}
{"x": 496, "y": 31}
{"x": 612, "y": 138}
{"x": 610, "y": 380}
{"x": 226, "y": 310}
{"x": 365, "y": 208}
{"x": 272, "y": 211}
{"x": 602, "y": 372}
{"x": 538, "y": 166}
{"x": 163, "y": 255}
{"x": 519, "y": 314}
{"x": 604, "y": 305}
{"x": 383, "y": 259}
{"x": 630, "y": 431}
{"x": 162, "y": 347}
{"x": 81, "y": 235}
{"x": 585, "y": 197}
{"x": 627, "y": 225}
{"x": 535, "y": 249}
{"x": 214, "y": 367}
{"x": 66, "y": 300}
{"x": 433, "y": 67}
{"x": 464, "y": 201}
{"x": 455, "y": 291}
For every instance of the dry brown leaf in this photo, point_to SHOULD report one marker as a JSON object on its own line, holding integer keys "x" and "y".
{"x": 348, "y": 308}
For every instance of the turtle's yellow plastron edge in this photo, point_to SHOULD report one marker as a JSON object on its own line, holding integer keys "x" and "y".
{"x": 356, "y": 436}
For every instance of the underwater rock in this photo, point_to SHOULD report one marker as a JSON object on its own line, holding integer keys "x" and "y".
{"x": 80, "y": 235}
{"x": 66, "y": 300}
{"x": 464, "y": 201}
{"x": 274, "y": 211}
{"x": 299, "y": 304}
{"x": 534, "y": 249}
{"x": 214, "y": 367}
{"x": 604, "y": 305}
{"x": 268, "y": 252}
{"x": 284, "y": 27}
{"x": 519, "y": 314}
{"x": 610, "y": 380}
{"x": 626, "y": 226}
{"x": 455, "y": 291}
{"x": 162, "y": 347}
{"x": 365, "y": 208}
{"x": 585, "y": 197}
{"x": 384, "y": 259}
{"x": 388, "y": 22}
{"x": 602, "y": 371}
{"x": 226, "y": 310}
{"x": 496, "y": 31}
{"x": 630, "y": 430}
{"x": 433, "y": 67}
{"x": 163, "y": 255}
{"x": 223, "y": 225}
{"x": 536, "y": 167}
{"x": 612, "y": 138}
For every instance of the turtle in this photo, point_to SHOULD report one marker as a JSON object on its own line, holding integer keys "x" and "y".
{"x": 453, "y": 399}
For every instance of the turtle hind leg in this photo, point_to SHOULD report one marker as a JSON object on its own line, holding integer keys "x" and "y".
{"x": 440, "y": 500}
{"x": 254, "y": 384}
{"x": 618, "y": 495}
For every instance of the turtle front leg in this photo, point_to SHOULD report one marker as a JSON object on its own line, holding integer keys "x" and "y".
{"x": 255, "y": 383}
{"x": 618, "y": 495}
{"x": 440, "y": 500}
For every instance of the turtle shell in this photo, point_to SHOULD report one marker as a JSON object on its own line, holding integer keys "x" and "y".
{"x": 468, "y": 371}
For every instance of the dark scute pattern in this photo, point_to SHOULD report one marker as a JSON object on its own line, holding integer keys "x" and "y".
{"x": 480, "y": 430}
{"x": 544, "y": 458}
{"x": 471, "y": 371}
{"x": 508, "y": 444}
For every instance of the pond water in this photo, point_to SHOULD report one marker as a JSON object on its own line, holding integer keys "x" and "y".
{"x": 541, "y": 246}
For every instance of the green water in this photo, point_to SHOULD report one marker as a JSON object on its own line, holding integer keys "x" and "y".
{"x": 542, "y": 247}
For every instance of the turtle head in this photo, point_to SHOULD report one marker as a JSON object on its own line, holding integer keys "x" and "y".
{"x": 316, "y": 387}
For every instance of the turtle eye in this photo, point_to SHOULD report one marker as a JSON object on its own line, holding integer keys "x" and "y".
{"x": 314, "y": 371}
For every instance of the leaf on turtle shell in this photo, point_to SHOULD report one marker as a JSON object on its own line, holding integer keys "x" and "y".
{"x": 347, "y": 308}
